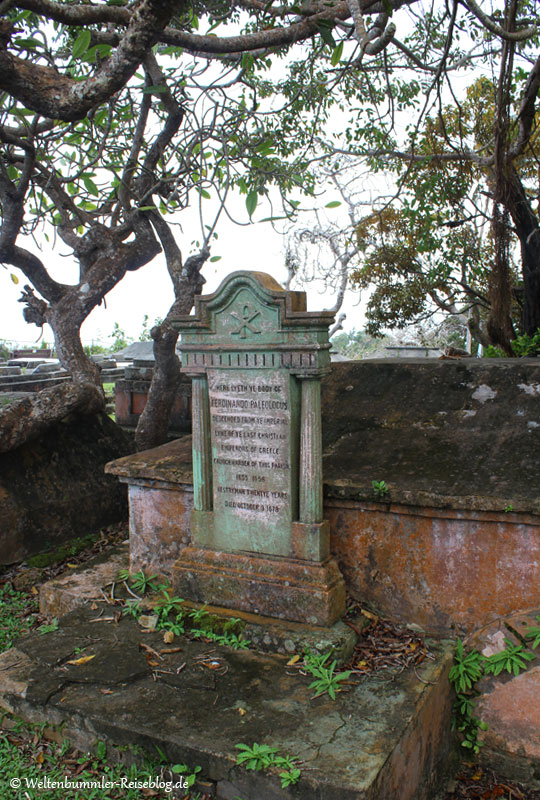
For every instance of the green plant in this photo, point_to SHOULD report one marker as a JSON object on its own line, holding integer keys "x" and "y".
{"x": 132, "y": 608}
{"x": 380, "y": 488}
{"x": 525, "y": 345}
{"x": 49, "y": 627}
{"x": 226, "y": 639}
{"x": 167, "y": 603}
{"x": 512, "y": 659}
{"x": 508, "y": 508}
{"x": 17, "y": 611}
{"x": 263, "y": 757}
{"x": 199, "y": 615}
{"x": 467, "y": 669}
{"x": 142, "y": 583}
{"x": 327, "y": 680}
{"x": 189, "y": 774}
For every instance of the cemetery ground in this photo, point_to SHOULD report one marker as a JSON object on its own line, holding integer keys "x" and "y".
{"x": 36, "y": 751}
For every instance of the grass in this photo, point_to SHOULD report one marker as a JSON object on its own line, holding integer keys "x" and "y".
{"x": 33, "y": 755}
{"x": 18, "y": 612}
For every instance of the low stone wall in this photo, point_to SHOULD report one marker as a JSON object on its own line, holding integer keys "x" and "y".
{"x": 53, "y": 489}
{"x": 457, "y": 443}
{"x": 130, "y": 399}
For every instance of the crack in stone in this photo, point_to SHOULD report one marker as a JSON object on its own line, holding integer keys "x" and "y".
{"x": 70, "y": 682}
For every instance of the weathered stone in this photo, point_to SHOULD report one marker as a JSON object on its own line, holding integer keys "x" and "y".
{"x": 53, "y": 489}
{"x": 380, "y": 740}
{"x": 510, "y": 704}
{"x": 83, "y": 584}
{"x": 256, "y": 358}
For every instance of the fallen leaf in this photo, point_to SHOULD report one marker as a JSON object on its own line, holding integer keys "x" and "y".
{"x": 40, "y": 758}
{"x": 34, "y": 590}
{"x": 148, "y": 621}
{"x": 168, "y": 637}
{"x": 166, "y": 650}
{"x": 242, "y": 712}
{"x": 294, "y": 660}
{"x": 368, "y": 614}
{"x": 478, "y": 775}
{"x": 71, "y": 566}
{"x": 106, "y": 691}
{"x": 82, "y": 660}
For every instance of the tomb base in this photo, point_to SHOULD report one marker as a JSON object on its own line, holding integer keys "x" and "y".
{"x": 289, "y": 589}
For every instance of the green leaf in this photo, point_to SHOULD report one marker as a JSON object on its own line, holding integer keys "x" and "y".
{"x": 336, "y": 55}
{"x": 14, "y": 278}
{"x": 325, "y": 29}
{"x": 333, "y": 204}
{"x": 251, "y": 202}
{"x": 215, "y": 258}
{"x": 204, "y": 194}
{"x": 82, "y": 43}
{"x": 155, "y": 89}
{"x": 90, "y": 185}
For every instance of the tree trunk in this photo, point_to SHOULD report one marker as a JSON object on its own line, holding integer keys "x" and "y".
{"x": 26, "y": 419}
{"x": 153, "y": 425}
{"x": 528, "y": 232}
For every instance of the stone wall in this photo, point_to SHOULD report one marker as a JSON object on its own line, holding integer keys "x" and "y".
{"x": 53, "y": 489}
{"x": 456, "y": 542}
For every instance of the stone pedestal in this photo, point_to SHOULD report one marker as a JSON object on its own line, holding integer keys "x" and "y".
{"x": 285, "y": 588}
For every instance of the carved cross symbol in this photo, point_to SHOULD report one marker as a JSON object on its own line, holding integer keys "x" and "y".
{"x": 245, "y": 321}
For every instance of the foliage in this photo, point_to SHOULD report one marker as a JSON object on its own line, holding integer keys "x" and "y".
{"x": 174, "y": 617}
{"x": 468, "y": 669}
{"x": 4, "y": 351}
{"x": 48, "y": 627}
{"x": 17, "y": 611}
{"x": 29, "y": 753}
{"x": 525, "y": 345}
{"x": 534, "y": 634}
{"x": 380, "y": 488}
{"x": 513, "y": 659}
{"x": 119, "y": 339}
{"x": 263, "y": 757}
{"x": 327, "y": 680}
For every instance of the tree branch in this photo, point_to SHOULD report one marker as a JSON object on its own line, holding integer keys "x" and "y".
{"x": 55, "y": 95}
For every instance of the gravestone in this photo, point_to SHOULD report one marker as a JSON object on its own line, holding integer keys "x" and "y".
{"x": 259, "y": 542}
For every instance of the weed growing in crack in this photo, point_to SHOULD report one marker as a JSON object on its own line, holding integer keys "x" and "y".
{"x": 327, "y": 680}
{"x": 467, "y": 670}
{"x": 262, "y": 757}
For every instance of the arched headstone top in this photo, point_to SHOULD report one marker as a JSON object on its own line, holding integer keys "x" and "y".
{"x": 251, "y": 313}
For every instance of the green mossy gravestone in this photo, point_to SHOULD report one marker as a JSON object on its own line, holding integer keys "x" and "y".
{"x": 259, "y": 541}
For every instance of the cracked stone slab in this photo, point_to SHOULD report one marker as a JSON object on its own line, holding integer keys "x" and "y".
{"x": 381, "y": 740}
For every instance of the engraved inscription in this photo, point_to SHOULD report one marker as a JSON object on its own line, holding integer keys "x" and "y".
{"x": 251, "y": 448}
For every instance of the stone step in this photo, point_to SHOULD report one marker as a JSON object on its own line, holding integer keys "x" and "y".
{"x": 386, "y": 738}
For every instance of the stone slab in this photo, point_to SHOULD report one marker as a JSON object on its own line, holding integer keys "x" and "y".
{"x": 510, "y": 704}
{"x": 381, "y": 740}
{"x": 84, "y": 584}
{"x": 92, "y": 581}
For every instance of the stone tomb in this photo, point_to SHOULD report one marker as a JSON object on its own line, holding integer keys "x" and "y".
{"x": 259, "y": 542}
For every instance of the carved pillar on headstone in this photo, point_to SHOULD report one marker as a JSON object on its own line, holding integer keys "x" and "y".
{"x": 202, "y": 450}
